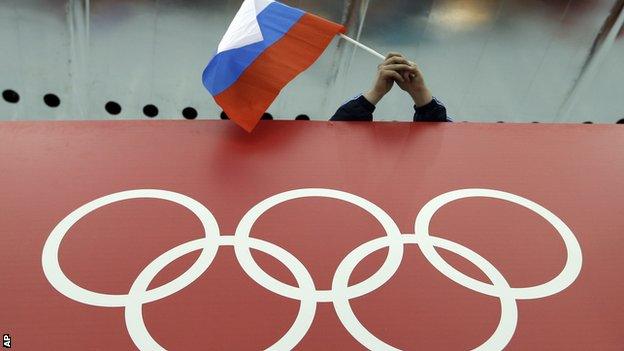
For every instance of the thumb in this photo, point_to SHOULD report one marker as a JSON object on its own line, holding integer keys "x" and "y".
{"x": 407, "y": 76}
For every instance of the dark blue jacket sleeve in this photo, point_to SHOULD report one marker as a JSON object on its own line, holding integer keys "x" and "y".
{"x": 360, "y": 109}
{"x": 434, "y": 111}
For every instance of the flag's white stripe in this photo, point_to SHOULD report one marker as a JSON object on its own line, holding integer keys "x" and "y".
{"x": 261, "y": 5}
{"x": 244, "y": 29}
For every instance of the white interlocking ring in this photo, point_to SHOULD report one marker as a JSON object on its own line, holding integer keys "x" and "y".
{"x": 567, "y": 276}
{"x": 58, "y": 279}
{"x": 509, "y": 310}
{"x": 249, "y": 265}
{"x": 133, "y": 313}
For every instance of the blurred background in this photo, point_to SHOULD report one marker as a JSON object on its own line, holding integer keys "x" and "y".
{"x": 487, "y": 60}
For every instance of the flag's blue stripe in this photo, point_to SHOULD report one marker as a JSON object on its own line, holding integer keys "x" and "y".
{"x": 226, "y": 67}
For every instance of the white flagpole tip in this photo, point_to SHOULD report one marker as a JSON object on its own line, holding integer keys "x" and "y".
{"x": 362, "y": 46}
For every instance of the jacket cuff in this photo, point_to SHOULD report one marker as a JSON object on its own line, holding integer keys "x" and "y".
{"x": 432, "y": 105}
{"x": 367, "y": 105}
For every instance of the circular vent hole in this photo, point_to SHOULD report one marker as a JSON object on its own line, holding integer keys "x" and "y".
{"x": 113, "y": 108}
{"x": 10, "y": 96}
{"x": 189, "y": 113}
{"x": 302, "y": 118}
{"x": 150, "y": 111}
{"x": 51, "y": 100}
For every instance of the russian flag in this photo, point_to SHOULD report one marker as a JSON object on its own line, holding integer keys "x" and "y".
{"x": 266, "y": 46}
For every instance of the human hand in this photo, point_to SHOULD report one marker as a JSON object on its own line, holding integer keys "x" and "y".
{"x": 388, "y": 72}
{"x": 414, "y": 84}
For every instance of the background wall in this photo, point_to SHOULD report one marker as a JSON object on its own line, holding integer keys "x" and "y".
{"x": 488, "y": 60}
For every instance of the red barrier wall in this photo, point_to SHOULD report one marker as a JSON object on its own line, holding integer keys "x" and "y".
{"x": 573, "y": 176}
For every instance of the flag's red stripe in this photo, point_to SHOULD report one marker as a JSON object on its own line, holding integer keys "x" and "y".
{"x": 252, "y": 94}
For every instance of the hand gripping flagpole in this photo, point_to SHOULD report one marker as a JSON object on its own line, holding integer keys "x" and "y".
{"x": 362, "y": 46}
{"x": 366, "y": 48}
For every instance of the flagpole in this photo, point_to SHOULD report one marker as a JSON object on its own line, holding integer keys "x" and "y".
{"x": 362, "y": 46}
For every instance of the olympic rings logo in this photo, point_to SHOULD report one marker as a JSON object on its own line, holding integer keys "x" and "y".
{"x": 305, "y": 292}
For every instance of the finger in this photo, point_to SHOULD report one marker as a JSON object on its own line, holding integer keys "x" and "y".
{"x": 393, "y": 75}
{"x": 415, "y": 65}
{"x": 392, "y": 61}
{"x": 388, "y": 74}
{"x": 396, "y": 59}
{"x": 393, "y": 54}
{"x": 400, "y": 67}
